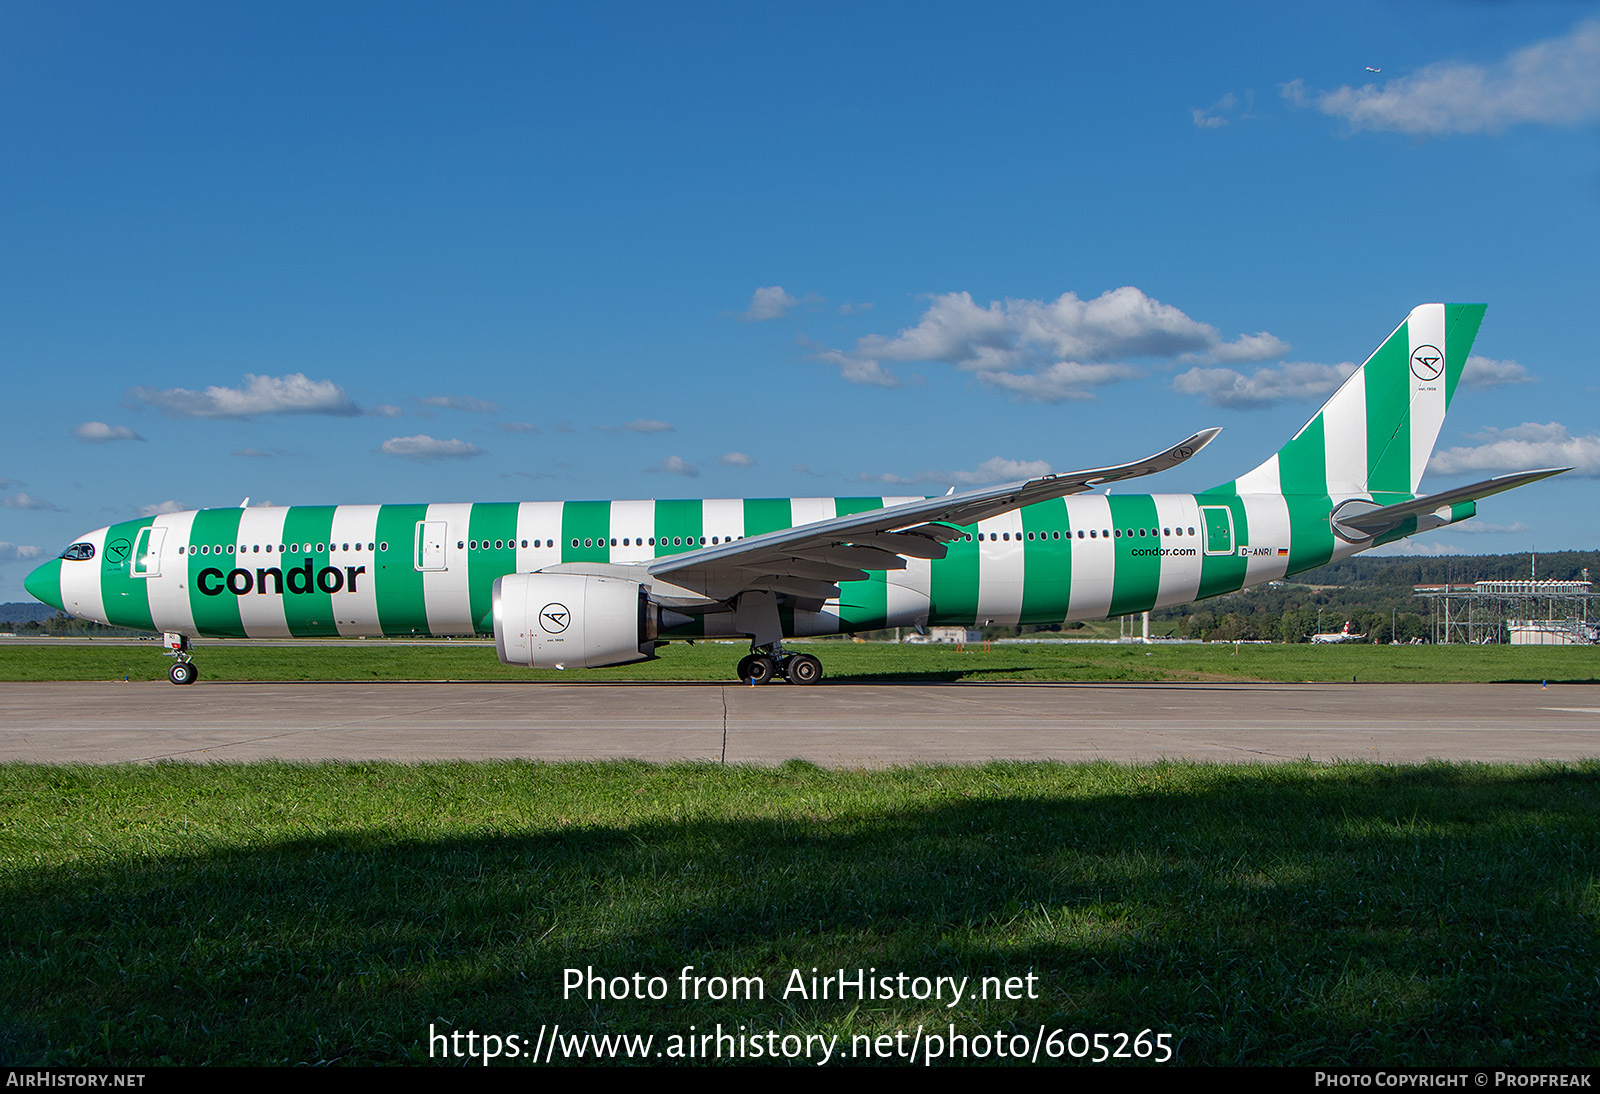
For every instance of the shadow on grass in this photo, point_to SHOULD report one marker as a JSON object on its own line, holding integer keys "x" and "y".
{"x": 1302, "y": 915}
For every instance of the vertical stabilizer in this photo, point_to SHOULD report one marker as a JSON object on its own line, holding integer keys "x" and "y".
{"x": 1374, "y": 436}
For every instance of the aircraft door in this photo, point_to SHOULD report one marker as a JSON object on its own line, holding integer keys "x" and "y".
{"x": 430, "y": 546}
{"x": 147, "y": 552}
{"x": 1218, "y": 521}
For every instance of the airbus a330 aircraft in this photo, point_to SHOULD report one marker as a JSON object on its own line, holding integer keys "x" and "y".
{"x": 593, "y": 583}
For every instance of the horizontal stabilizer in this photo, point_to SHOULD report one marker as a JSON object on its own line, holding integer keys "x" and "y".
{"x": 1354, "y": 522}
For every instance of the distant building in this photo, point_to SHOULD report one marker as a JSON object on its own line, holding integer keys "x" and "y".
{"x": 1521, "y": 613}
{"x": 948, "y": 635}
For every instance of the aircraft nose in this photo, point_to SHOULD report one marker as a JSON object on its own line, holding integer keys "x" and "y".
{"x": 44, "y": 584}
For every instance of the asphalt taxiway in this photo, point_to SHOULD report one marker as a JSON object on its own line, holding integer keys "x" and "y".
{"x": 840, "y": 724}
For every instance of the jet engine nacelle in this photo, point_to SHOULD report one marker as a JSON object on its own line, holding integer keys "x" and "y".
{"x": 552, "y": 621}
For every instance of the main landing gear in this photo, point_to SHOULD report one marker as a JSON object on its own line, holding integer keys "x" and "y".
{"x": 183, "y": 670}
{"x": 765, "y": 662}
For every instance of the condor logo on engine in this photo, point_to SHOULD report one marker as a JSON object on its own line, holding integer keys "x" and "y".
{"x": 554, "y": 618}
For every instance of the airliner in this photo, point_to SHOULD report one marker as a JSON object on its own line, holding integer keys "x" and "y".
{"x": 1335, "y": 638}
{"x": 586, "y": 584}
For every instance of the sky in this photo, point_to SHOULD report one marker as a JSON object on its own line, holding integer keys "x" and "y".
{"x": 401, "y": 252}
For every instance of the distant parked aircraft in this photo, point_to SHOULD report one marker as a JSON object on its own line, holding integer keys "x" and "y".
{"x": 1337, "y": 637}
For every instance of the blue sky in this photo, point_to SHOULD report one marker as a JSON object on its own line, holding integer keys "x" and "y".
{"x": 317, "y": 253}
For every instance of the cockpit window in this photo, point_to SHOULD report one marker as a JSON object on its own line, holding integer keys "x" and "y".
{"x": 79, "y": 552}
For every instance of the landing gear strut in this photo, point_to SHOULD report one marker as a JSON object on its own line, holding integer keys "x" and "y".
{"x": 183, "y": 670}
{"x": 765, "y": 662}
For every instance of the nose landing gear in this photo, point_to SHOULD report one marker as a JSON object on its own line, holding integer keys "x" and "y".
{"x": 183, "y": 670}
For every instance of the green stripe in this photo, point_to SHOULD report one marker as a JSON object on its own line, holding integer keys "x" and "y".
{"x": 126, "y": 598}
{"x": 218, "y": 615}
{"x": 309, "y": 614}
{"x": 953, "y": 584}
{"x": 1046, "y": 563}
{"x": 863, "y": 605}
{"x": 396, "y": 579}
{"x": 1225, "y": 573}
{"x": 1303, "y": 462}
{"x": 1138, "y": 574}
{"x": 493, "y": 525}
{"x": 585, "y": 520}
{"x": 1387, "y": 375}
{"x": 762, "y": 515}
{"x": 1461, "y": 322}
{"x": 683, "y": 521}
{"x": 1405, "y": 528}
{"x": 1310, "y": 535}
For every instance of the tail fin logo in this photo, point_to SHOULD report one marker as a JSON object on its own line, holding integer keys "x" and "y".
{"x": 1427, "y": 362}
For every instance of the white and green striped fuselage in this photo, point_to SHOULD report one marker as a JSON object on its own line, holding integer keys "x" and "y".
{"x": 352, "y": 570}
{"x": 600, "y": 584}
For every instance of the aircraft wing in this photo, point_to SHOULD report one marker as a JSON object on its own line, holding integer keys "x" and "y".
{"x": 807, "y": 562}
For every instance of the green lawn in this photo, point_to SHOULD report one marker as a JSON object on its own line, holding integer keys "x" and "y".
{"x": 843, "y": 661}
{"x": 1291, "y": 914}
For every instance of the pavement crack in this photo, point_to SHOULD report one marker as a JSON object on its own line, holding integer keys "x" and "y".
{"x": 722, "y": 692}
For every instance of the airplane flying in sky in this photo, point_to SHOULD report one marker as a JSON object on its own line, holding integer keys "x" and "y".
{"x": 584, "y": 584}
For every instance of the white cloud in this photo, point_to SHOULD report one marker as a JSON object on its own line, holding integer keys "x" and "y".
{"x": 1477, "y": 527}
{"x": 676, "y": 465}
{"x": 28, "y": 501}
{"x": 1487, "y": 372}
{"x": 736, "y": 459}
{"x": 1009, "y": 342}
{"x": 995, "y": 469}
{"x": 1211, "y": 117}
{"x": 1300, "y": 381}
{"x": 518, "y": 427}
{"x": 1060, "y": 382}
{"x": 100, "y": 432}
{"x": 1526, "y": 447}
{"x": 771, "y": 302}
{"x": 1414, "y": 547}
{"x": 17, "y": 552}
{"x": 1555, "y": 82}
{"x": 161, "y": 508}
{"x": 639, "y": 425}
{"x": 386, "y": 410}
{"x": 458, "y": 402}
{"x": 858, "y": 370}
{"x": 424, "y": 447}
{"x": 259, "y": 453}
{"x": 291, "y": 394}
{"x": 1260, "y": 346}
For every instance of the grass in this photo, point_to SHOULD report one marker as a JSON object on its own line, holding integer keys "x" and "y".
{"x": 1286, "y": 914}
{"x": 843, "y": 661}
